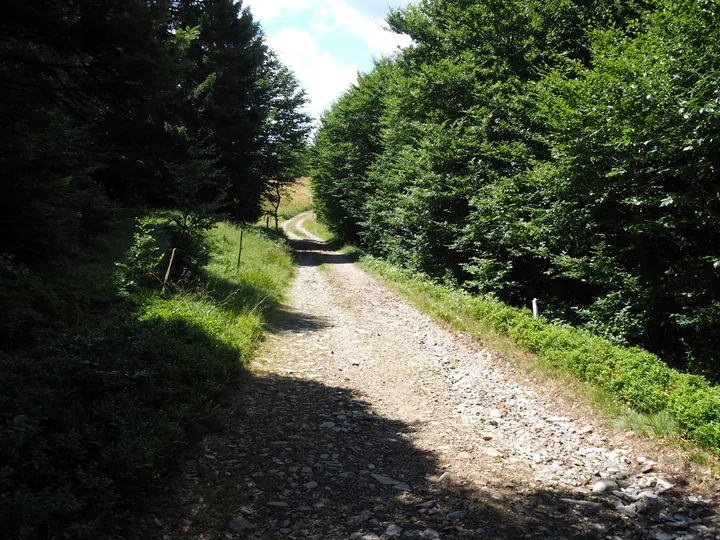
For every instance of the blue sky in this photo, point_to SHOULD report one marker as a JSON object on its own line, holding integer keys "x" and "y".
{"x": 326, "y": 42}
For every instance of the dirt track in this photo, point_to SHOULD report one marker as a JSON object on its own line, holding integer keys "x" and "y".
{"x": 368, "y": 420}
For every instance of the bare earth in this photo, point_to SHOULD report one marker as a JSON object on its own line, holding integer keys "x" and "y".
{"x": 367, "y": 420}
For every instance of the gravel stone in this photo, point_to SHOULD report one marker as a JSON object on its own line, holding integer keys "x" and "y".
{"x": 370, "y": 414}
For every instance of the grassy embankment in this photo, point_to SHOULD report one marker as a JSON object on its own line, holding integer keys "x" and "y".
{"x": 630, "y": 386}
{"x": 105, "y": 381}
{"x": 295, "y": 200}
{"x": 298, "y": 199}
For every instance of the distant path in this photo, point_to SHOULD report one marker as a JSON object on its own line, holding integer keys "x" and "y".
{"x": 298, "y": 222}
{"x": 367, "y": 419}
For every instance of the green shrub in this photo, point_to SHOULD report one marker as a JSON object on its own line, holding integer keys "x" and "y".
{"x": 142, "y": 259}
{"x": 95, "y": 412}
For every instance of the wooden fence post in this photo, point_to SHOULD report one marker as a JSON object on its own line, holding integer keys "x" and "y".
{"x": 167, "y": 272}
{"x": 237, "y": 269}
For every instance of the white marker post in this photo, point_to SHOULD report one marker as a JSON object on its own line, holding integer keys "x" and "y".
{"x": 536, "y": 308}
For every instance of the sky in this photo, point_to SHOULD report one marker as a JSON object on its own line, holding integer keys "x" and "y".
{"x": 326, "y": 42}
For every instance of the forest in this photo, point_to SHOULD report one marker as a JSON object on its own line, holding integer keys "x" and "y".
{"x": 552, "y": 149}
{"x": 130, "y": 127}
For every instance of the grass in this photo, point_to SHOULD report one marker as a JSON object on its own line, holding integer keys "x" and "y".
{"x": 630, "y": 387}
{"x": 318, "y": 228}
{"x": 101, "y": 402}
{"x": 296, "y": 199}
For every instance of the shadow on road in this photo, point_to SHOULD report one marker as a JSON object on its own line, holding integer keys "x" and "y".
{"x": 285, "y": 319}
{"x": 312, "y": 253}
{"x": 302, "y": 459}
{"x": 306, "y": 460}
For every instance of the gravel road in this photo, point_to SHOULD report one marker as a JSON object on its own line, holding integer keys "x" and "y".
{"x": 366, "y": 420}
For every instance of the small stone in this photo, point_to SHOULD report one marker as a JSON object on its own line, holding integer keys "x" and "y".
{"x": 446, "y": 477}
{"x": 493, "y": 453}
{"x": 364, "y": 516}
{"x": 327, "y": 425}
{"x": 384, "y": 480}
{"x": 457, "y": 515}
{"x": 486, "y": 435}
{"x": 605, "y": 485}
{"x": 648, "y": 466}
{"x": 240, "y": 524}
{"x": 625, "y": 510}
{"x": 663, "y": 485}
{"x": 646, "y": 482}
{"x": 393, "y": 530}
{"x": 430, "y": 533}
{"x": 310, "y": 485}
{"x": 277, "y": 504}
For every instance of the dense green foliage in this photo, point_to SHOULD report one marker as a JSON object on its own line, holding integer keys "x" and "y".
{"x": 108, "y": 109}
{"x": 173, "y": 103}
{"x": 632, "y": 375}
{"x": 547, "y": 149}
{"x": 100, "y": 406}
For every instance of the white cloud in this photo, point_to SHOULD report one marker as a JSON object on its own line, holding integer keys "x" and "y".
{"x": 364, "y": 19}
{"x": 372, "y": 31}
{"x": 267, "y": 10}
{"x": 319, "y": 73}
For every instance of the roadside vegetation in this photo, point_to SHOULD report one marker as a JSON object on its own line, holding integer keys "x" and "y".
{"x": 556, "y": 151}
{"x": 135, "y": 133}
{"x": 119, "y": 378}
{"x": 631, "y": 386}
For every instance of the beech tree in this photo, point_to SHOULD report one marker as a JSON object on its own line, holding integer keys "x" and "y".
{"x": 555, "y": 150}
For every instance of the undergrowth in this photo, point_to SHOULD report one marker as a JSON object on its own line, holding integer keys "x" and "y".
{"x": 318, "y": 228}
{"x": 104, "y": 380}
